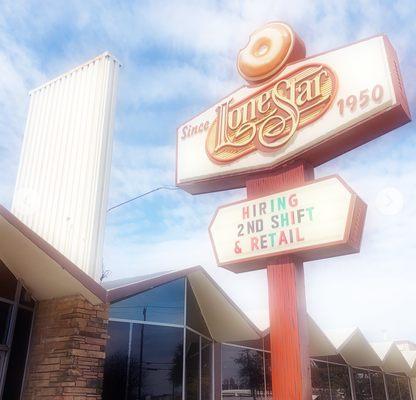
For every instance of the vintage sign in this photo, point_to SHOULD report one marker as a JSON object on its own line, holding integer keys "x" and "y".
{"x": 313, "y": 109}
{"x": 320, "y": 219}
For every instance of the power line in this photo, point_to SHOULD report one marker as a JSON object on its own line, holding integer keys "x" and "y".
{"x": 167, "y": 187}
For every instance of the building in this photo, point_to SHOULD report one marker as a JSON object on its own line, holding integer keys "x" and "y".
{"x": 174, "y": 335}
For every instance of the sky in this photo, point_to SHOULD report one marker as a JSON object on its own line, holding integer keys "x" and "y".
{"x": 178, "y": 58}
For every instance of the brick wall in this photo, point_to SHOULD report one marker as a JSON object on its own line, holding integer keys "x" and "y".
{"x": 66, "y": 358}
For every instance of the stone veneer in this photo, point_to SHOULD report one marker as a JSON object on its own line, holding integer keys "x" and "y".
{"x": 66, "y": 355}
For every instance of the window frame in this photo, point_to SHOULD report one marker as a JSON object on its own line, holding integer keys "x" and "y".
{"x": 6, "y": 348}
{"x": 184, "y": 328}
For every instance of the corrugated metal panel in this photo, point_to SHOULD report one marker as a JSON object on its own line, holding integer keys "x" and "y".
{"x": 62, "y": 184}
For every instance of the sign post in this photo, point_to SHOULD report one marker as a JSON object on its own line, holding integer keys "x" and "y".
{"x": 287, "y": 302}
{"x": 294, "y": 114}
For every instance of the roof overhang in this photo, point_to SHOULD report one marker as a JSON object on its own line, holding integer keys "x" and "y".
{"x": 225, "y": 321}
{"x": 354, "y": 348}
{"x": 45, "y": 272}
{"x": 319, "y": 343}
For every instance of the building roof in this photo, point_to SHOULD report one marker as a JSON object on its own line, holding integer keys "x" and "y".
{"x": 225, "y": 320}
{"x": 45, "y": 271}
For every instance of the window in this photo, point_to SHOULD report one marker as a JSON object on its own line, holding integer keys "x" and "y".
{"x": 339, "y": 380}
{"x": 242, "y": 373}
{"x": 17, "y": 359}
{"x": 115, "y": 369}
{"x": 194, "y": 317}
{"x": 392, "y": 387}
{"x": 14, "y": 333}
{"x": 330, "y": 381}
{"x": 5, "y": 310}
{"x": 320, "y": 380}
{"x": 404, "y": 388}
{"x": 192, "y": 366}
{"x": 206, "y": 369}
{"x": 377, "y": 385}
{"x": 362, "y": 384}
{"x": 398, "y": 387}
{"x": 156, "y": 361}
{"x": 268, "y": 372}
{"x": 164, "y": 304}
{"x": 153, "y": 364}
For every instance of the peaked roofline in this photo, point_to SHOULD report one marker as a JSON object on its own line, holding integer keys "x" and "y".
{"x": 83, "y": 278}
{"x": 131, "y": 289}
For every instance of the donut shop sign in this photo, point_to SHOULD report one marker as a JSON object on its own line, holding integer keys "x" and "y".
{"x": 294, "y": 114}
{"x": 312, "y": 109}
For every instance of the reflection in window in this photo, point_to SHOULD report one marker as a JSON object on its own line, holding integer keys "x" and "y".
{"x": 362, "y": 384}
{"x": 377, "y": 385}
{"x": 403, "y": 382}
{"x": 115, "y": 369}
{"x": 320, "y": 380}
{"x": 164, "y": 303}
{"x": 242, "y": 373}
{"x": 398, "y": 387}
{"x": 17, "y": 359}
{"x": 192, "y": 366}
{"x": 5, "y": 310}
{"x": 2, "y": 358}
{"x": 156, "y": 361}
{"x": 194, "y": 317}
{"x": 339, "y": 380}
{"x": 268, "y": 368}
{"x": 392, "y": 387}
{"x": 206, "y": 369}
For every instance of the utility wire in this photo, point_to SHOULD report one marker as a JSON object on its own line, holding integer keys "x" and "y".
{"x": 167, "y": 187}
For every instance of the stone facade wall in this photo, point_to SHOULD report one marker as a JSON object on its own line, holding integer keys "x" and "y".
{"x": 66, "y": 357}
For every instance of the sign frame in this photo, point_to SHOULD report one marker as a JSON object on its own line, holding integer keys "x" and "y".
{"x": 378, "y": 124}
{"x": 350, "y": 244}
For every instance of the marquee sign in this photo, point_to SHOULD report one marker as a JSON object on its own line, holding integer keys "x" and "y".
{"x": 320, "y": 219}
{"x": 313, "y": 109}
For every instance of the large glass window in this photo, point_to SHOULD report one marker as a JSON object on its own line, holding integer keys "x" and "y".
{"x": 268, "y": 372}
{"x": 242, "y": 373}
{"x": 194, "y": 317}
{"x": 150, "y": 356}
{"x": 330, "y": 381}
{"x": 164, "y": 304}
{"x": 339, "y": 380}
{"x": 398, "y": 387}
{"x": 14, "y": 333}
{"x": 17, "y": 359}
{"x": 320, "y": 380}
{"x": 206, "y": 369}
{"x": 116, "y": 361}
{"x": 404, "y": 388}
{"x": 5, "y": 310}
{"x": 377, "y": 385}
{"x": 362, "y": 384}
{"x": 156, "y": 360}
{"x": 192, "y": 366}
{"x": 392, "y": 387}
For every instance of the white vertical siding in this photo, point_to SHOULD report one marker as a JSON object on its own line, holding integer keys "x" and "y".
{"x": 62, "y": 183}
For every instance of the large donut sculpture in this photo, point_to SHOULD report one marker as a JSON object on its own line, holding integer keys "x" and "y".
{"x": 268, "y": 50}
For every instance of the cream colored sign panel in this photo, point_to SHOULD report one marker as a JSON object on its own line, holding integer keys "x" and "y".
{"x": 309, "y": 102}
{"x": 306, "y": 217}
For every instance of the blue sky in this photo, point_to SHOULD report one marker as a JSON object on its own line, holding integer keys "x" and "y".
{"x": 179, "y": 58}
